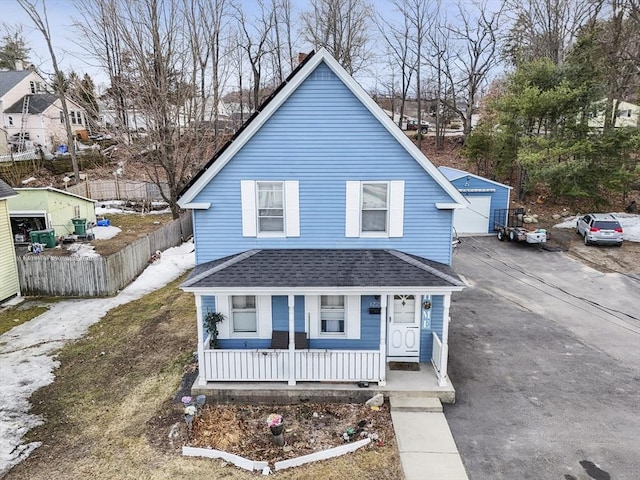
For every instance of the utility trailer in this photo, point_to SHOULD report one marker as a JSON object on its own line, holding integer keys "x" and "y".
{"x": 509, "y": 223}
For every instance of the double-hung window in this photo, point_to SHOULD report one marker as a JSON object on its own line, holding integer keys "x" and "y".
{"x": 243, "y": 314}
{"x": 332, "y": 314}
{"x": 375, "y": 207}
{"x": 270, "y": 207}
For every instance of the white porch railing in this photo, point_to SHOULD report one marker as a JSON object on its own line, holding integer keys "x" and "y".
{"x": 17, "y": 157}
{"x": 273, "y": 365}
{"x": 439, "y": 359}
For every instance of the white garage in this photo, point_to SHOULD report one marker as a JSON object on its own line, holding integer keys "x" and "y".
{"x": 475, "y": 218}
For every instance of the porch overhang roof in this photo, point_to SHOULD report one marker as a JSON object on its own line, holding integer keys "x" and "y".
{"x": 303, "y": 270}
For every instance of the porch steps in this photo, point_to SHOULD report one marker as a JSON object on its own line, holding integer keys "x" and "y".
{"x": 414, "y": 403}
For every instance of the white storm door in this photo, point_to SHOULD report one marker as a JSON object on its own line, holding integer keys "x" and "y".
{"x": 403, "y": 335}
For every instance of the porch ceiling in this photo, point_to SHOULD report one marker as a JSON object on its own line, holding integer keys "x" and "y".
{"x": 330, "y": 268}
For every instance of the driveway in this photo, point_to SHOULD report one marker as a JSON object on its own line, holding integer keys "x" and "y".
{"x": 545, "y": 358}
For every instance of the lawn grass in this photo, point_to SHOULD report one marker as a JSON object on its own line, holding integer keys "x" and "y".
{"x": 18, "y": 314}
{"x": 109, "y": 412}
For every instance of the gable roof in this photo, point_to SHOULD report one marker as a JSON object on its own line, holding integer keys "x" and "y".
{"x": 55, "y": 190}
{"x": 279, "y": 96}
{"x": 454, "y": 174}
{"x": 6, "y": 191}
{"x": 10, "y": 79}
{"x": 38, "y": 103}
{"x": 321, "y": 268}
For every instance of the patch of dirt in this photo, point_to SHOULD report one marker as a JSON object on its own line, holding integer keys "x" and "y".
{"x": 309, "y": 427}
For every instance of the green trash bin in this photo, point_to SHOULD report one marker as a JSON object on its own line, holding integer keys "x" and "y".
{"x": 48, "y": 238}
{"x": 34, "y": 236}
{"x": 79, "y": 226}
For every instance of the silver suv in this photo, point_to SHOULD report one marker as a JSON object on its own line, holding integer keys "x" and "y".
{"x": 599, "y": 228}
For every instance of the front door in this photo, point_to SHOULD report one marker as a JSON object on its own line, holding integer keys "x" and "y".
{"x": 403, "y": 335}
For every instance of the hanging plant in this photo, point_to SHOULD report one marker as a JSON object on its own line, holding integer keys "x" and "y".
{"x": 211, "y": 321}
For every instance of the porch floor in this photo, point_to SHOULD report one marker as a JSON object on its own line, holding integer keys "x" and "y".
{"x": 422, "y": 383}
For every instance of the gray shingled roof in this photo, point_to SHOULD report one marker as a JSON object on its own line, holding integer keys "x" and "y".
{"x": 291, "y": 268}
{"x": 38, "y": 103}
{"x": 6, "y": 190}
{"x": 10, "y": 79}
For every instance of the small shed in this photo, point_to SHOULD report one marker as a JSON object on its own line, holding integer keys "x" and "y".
{"x": 9, "y": 284}
{"x": 485, "y": 197}
{"x": 48, "y": 208}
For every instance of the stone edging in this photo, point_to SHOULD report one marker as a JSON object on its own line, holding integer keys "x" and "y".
{"x": 251, "y": 465}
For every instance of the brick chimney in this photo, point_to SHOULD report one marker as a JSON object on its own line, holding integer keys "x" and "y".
{"x": 302, "y": 57}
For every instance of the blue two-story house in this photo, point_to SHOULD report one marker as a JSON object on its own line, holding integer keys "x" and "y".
{"x": 324, "y": 237}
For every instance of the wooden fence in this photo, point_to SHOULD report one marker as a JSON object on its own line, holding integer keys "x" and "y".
{"x": 118, "y": 189}
{"x": 97, "y": 276}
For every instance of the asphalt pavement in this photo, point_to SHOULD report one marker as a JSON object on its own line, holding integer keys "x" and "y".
{"x": 545, "y": 358}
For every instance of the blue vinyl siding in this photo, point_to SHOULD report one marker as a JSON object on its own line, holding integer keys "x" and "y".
{"x": 499, "y": 197}
{"x": 323, "y": 137}
{"x": 426, "y": 339}
{"x": 208, "y": 305}
{"x": 280, "y": 313}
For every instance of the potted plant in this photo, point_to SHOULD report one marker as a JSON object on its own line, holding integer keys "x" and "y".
{"x": 211, "y": 321}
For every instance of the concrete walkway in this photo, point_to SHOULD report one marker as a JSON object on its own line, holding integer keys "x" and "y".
{"x": 427, "y": 449}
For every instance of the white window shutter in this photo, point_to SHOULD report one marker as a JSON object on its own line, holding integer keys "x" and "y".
{"x": 352, "y": 216}
{"x": 249, "y": 218}
{"x": 396, "y": 208}
{"x": 312, "y": 315}
{"x": 222, "y": 306}
{"x": 292, "y": 208}
{"x": 353, "y": 311}
{"x": 263, "y": 310}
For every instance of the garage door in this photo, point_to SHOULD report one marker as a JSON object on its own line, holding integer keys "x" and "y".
{"x": 475, "y": 218}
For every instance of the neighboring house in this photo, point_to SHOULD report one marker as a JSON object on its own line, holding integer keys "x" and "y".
{"x": 29, "y": 110}
{"x": 47, "y": 208}
{"x": 327, "y": 249}
{"x": 484, "y": 196}
{"x": 627, "y": 115}
{"x": 9, "y": 283}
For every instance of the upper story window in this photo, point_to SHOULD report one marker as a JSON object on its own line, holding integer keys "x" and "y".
{"x": 36, "y": 87}
{"x": 270, "y": 208}
{"x": 10, "y": 120}
{"x": 76, "y": 117}
{"x": 244, "y": 314}
{"x": 375, "y": 207}
{"x": 332, "y": 314}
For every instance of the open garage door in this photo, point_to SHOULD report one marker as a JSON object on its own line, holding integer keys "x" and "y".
{"x": 475, "y": 218}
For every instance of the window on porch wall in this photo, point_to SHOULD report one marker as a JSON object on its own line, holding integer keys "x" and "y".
{"x": 243, "y": 314}
{"x": 332, "y": 314}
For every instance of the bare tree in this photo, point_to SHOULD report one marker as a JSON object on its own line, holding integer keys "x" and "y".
{"x": 475, "y": 34}
{"x": 546, "y": 28}
{"x": 399, "y": 39}
{"x": 41, "y": 22}
{"x": 342, "y": 27}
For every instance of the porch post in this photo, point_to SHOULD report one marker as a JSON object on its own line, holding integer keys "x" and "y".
{"x": 444, "y": 353}
{"x": 202, "y": 378}
{"x": 383, "y": 340}
{"x": 292, "y": 341}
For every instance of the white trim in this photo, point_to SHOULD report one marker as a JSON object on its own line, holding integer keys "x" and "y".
{"x": 396, "y": 208}
{"x": 197, "y": 206}
{"x": 201, "y": 338}
{"x": 353, "y": 311}
{"x": 249, "y": 209}
{"x": 321, "y": 56}
{"x": 477, "y": 190}
{"x": 455, "y": 174}
{"x": 352, "y": 206}
{"x": 292, "y": 208}
{"x": 362, "y": 290}
{"x": 312, "y": 315}
{"x": 222, "y": 306}
{"x": 451, "y": 206}
{"x": 55, "y": 190}
{"x": 264, "y": 316}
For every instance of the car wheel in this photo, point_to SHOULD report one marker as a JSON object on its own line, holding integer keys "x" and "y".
{"x": 501, "y": 236}
{"x": 512, "y": 236}
{"x": 424, "y": 130}
{"x": 586, "y": 240}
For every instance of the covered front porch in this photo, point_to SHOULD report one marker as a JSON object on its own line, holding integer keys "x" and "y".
{"x": 343, "y": 315}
